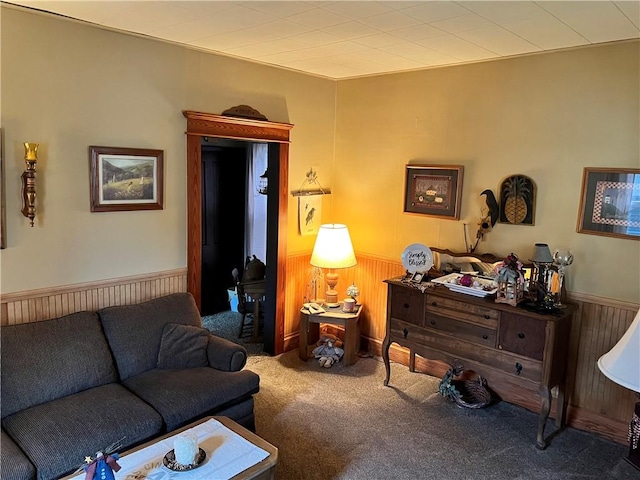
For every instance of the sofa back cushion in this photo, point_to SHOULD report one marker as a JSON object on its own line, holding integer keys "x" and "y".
{"x": 134, "y": 332}
{"x": 47, "y": 360}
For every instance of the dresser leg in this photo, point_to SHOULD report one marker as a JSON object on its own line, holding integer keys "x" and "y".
{"x": 545, "y": 407}
{"x": 385, "y": 358}
{"x": 412, "y": 361}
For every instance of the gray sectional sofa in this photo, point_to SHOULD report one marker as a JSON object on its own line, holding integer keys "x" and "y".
{"x": 76, "y": 384}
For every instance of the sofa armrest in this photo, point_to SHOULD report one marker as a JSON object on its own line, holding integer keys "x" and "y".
{"x": 225, "y": 355}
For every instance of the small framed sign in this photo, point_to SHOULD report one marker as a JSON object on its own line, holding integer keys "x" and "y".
{"x": 417, "y": 277}
{"x": 434, "y": 190}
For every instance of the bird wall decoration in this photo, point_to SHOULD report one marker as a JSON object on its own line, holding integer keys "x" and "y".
{"x": 492, "y": 205}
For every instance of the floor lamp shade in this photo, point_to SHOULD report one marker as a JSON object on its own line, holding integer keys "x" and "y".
{"x": 622, "y": 363}
{"x": 333, "y": 249}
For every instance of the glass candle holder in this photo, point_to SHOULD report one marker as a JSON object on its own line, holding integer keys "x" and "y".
{"x": 562, "y": 258}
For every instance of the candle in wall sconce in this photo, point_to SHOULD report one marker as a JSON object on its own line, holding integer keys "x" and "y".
{"x": 29, "y": 181}
{"x": 185, "y": 448}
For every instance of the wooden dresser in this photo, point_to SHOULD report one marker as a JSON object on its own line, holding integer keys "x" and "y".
{"x": 517, "y": 351}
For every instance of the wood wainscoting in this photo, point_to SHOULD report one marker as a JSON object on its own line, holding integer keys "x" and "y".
{"x": 46, "y": 303}
{"x": 596, "y": 404}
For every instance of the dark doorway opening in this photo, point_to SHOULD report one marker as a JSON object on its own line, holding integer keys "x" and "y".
{"x": 224, "y": 189}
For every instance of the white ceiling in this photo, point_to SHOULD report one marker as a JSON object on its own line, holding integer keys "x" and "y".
{"x": 343, "y": 39}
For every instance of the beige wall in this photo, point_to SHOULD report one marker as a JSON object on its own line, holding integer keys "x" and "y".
{"x": 68, "y": 86}
{"x": 544, "y": 116}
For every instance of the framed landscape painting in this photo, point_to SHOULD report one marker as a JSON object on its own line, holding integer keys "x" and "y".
{"x": 434, "y": 190}
{"x": 610, "y": 202}
{"x": 125, "y": 179}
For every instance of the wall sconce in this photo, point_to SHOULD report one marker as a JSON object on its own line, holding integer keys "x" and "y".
{"x": 29, "y": 181}
{"x": 263, "y": 183}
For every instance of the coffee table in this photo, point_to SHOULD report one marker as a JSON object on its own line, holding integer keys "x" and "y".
{"x": 145, "y": 461}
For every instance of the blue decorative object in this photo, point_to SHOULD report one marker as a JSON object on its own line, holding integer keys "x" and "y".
{"x": 102, "y": 467}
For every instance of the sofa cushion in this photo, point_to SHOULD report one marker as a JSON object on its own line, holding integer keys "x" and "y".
{"x": 208, "y": 390}
{"x": 43, "y": 361}
{"x": 80, "y": 425}
{"x": 13, "y": 463}
{"x": 134, "y": 332}
{"x": 183, "y": 346}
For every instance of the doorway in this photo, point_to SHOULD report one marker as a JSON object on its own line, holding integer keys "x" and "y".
{"x": 224, "y": 190}
{"x": 276, "y": 135}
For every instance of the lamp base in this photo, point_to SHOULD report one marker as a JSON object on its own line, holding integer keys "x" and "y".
{"x": 634, "y": 453}
{"x": 331, "y": 298}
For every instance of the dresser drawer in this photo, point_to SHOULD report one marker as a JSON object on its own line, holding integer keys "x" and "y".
{"x": 522, "y": 335}
{"x": 407, "y": 304}
{"x": 478, "y": 314}
{"x": 467, "y": 331}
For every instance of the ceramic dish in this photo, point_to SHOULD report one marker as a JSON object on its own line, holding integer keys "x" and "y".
{"x": 169, "y": 461}
{"x": 485, "y": 287}
{"x": 417, "y": 258}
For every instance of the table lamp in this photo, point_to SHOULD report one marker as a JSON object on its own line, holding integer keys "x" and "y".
{"x": 622, "y": 365}
{"x": 542, "y": 260}
{"x": 332, "y": 250}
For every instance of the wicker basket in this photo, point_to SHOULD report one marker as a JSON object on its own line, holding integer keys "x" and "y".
{"x": 471, "y": 393}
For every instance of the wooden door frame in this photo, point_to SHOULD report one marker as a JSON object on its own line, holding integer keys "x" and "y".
{"x": 210, "y": 125}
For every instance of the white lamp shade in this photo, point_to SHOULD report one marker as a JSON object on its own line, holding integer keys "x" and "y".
{"x": 333, "y": 248}
{"x": 622, "y": 363}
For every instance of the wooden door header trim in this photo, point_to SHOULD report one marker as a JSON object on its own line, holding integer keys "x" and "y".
{"x": 200, "y": 123}
{"x": 244, "y": 136}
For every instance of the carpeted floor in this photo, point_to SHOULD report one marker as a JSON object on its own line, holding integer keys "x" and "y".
{"x": 341, "y": 423}
{"x": 227, "y": 325}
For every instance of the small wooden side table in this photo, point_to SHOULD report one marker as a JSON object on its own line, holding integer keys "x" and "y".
{"x": 310, "y": 331}
{"x": 255, "y": 289}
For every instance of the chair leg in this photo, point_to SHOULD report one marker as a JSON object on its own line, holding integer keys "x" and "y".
{"x": 242, "y": 325}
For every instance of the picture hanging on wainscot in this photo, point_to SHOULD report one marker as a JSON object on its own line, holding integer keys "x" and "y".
{"x": 434, "y": 190}
{"x": 124, "y": 179}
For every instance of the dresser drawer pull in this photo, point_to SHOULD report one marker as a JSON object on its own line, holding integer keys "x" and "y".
{"x": 521, "y": 335}
{"x": 487, "y": 316}
{"x": 406, "y": 305}
{"x": 434, "y": 304}
{"x": 432, "y": 322}
{"x": 485, "y": 337}
{"x": 518, "y": 368}
{"x": 405, "y": 332}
